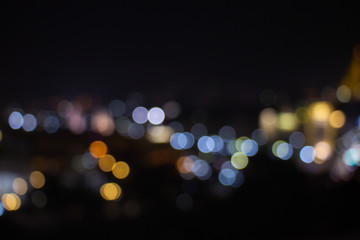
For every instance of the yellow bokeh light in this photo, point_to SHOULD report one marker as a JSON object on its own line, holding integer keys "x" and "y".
{"x": 107, "y": 162}
{"x": 110, "y": 191}
{"x": 239, "y": 142}
{"x": 98, "y": 149}
{"x": 159, "y": 134}
{"x": 239, "y": 160}
{"x": 337, "y": 119}
{"x": 121, "y": 170}
{"x": 320, "y": 111}
{"x": 286, "y": 121}
{"x": 301, "y": 114}
{"x": 322, "y": 151}
{"x": 37, "y": 179}
{"x": 20, "y": 186}
{"x": 11, "y": 201}
{"x": 343, "y": 94}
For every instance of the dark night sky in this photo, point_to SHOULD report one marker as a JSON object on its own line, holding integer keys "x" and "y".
{"x": 171, "y": 52}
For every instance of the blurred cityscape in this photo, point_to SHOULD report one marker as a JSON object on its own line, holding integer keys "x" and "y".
{"x": 178, "y": 158}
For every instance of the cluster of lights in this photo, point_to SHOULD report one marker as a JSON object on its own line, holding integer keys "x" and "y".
{"x": 13, "y": 189}
{"x": 107, "y": 163}
{"x": 309, "y": 134}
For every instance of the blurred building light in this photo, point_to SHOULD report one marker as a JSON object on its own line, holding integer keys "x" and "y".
{"x": 227, "y": 132}
{"x": 20, "y": 186}
{"x": 30, "y": 123}
{"x": 307, "y": 154}
{"x": 286, "y": 121}
{"x": 98, "y": 149}
{"x": 239, "y": 160}
{"x": 37, "y": 179}
{"x": 110, "y": 191}
{"x": 323, "y": 151}
{"x": 343, "y": 94}
{"x": 51, "y": 124}
{"x": 107, "y": 163}
{"x": 136, "y": 131}
{"x": 172, "y": 109}
{"x": 297, "y": 139}
{"x": 11, "y": 201}
{"x": 140, "y": 115}
{"x": 117, "y": 108}
{"x": 320, "y": 111}
{"x": 159, "y": 134}
{"x": 156, "y": 115}
{"x": 103, "y": 123}
{"x": 337, "y": 119}
{"x": 16, "y": 120}
{"x": 121, "y": 170}
{"x": 301, "y": 114}
{"x": 260, "y": 136}
{"x": 268, "y": 120}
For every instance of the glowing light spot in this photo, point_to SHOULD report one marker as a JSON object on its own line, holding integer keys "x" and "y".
{"x": 37, "y": 179}
{"x": 249, "y": 147}
{"x": 11, "y": 201}
{"x": 89, "y": 161}
{"x": 156, "y": 115}
{"x": 98, "y": 149}
{"x": 260, "y": 136}
{"x": 107, "y": 163}
{"x": 227, "y": 132}
{"x": 297, "y": 139}
{"x": 201, "y": 169}
{"x": 275, "y": 146}
{"x": 136, "y": 131}
{"x": 343, "y": 94}
{"x": 206, "y": 144}
{"x": 239, "y": 160}
{"x": 16, "y": 120}
{"x": 218, "y": 143}
{"x": 284, "y": 151}
{"x": 320, "y": 111}
{"x": 352, "y": 157}
{"x": 51, "y": 124}
{"x": 140, "y": 115}
{"x": 30, "y": 123}
{"x": 286, "y": 121}
{"x": 159, "y": 134}
{"x": 239, "y": 142}
{"x": 227, "y": 176}
{"x": 268, "y": 119}
{"x": 117, "y": 108}
{"x": 322, "y": 151}
{"x": 337, "y": 119}
{"x": 185, "y": 164}
{"x": 103, "y": 123}
{"x": 2, "y": 209}
{"x": 121, "y": 170}
{"x": 301, "y": 114}
{"x": 110, "y": 191}
{"x": 172, "y": 109}
{"x": 122, "y": 125}
{"x": 20, "y": 186}
{"x": 307, "y": 154}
